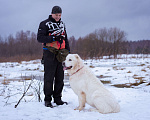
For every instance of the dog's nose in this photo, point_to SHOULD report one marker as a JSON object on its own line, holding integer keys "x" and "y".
{"x": 63, "y": 63}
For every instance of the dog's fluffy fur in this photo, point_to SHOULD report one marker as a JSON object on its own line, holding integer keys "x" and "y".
{"x": 88, "y": 87}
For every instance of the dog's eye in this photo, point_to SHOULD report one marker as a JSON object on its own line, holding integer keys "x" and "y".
{"x": 70, "y": 60}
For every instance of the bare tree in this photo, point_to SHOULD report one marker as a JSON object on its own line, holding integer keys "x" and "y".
{"x": 116, "y": 36}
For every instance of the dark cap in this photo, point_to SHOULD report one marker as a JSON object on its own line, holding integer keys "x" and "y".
{"x": 56, "y": 9}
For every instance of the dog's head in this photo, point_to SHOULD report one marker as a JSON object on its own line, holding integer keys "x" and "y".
{"x": 73, "y": 62}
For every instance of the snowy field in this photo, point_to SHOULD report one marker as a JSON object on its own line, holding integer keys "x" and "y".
{"x": 128, "y": 78}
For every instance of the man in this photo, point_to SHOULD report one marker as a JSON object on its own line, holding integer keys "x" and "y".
{"x": 52, "y": 33}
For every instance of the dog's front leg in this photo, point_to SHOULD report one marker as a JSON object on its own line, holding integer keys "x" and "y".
{"x": 82, "y": 100}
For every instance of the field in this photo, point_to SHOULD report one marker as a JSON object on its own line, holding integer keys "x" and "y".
{"x": 128, "y": 78}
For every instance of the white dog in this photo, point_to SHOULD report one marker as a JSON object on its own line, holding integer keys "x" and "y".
{"x": 88, "y": 87}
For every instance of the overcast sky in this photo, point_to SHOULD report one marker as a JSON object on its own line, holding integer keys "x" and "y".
{"x": 80, "y": 16}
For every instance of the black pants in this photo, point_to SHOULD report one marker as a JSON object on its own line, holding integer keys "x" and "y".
{"x": 53, "y": 74}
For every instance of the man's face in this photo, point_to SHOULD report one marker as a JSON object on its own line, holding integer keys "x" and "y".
{"x": 56, "y": 16}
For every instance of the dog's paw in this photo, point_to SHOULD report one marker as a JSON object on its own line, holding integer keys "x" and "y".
{"x": 79, "y": 108}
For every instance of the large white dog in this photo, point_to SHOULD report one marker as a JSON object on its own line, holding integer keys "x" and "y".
{"x": 88, "y": 87}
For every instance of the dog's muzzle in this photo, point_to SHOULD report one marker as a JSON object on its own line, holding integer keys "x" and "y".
{"x": 66, "y": 68}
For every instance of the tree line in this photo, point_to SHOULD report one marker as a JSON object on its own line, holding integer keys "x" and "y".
{"x": 102, "y": 42}
{"x": 107, "y": 42}
{"x": 23, "y": 46}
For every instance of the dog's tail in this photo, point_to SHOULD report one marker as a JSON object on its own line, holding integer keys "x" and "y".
{"x": 93, "y": 110}
{"x": 117, "y": 108}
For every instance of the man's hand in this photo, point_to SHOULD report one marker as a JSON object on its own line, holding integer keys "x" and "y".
{"x": 59, "y": 39}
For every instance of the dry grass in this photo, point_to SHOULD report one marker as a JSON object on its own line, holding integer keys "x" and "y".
{"x": 129, "y": 72}
{"x": 142, "y": 65}
{"x": 5, "y": 82}
{"x": 32, "y": 69}
{"x": 130, "y": 85}
{"x": 20, "y": 58}
{"x": 148, "y": 84}
{"x": 133, "y": 57}
{"x": 115, "y": 68}
{"x": 27, "y": 79}
{"x": 143, "y": 70}
{"x": 122, "y": 86}
{"x": 135, "y": 75}
{"x": 102, "y": 76}
{"x": 118, "y": 68}
{"x": 122, "y": 68}
{"x": 139, "y": 78}
{"x": 29, "y": 94}
{"x": 105, "y": 81}
{"x": 91, "y": 66}
{"x": 138, "y": 82}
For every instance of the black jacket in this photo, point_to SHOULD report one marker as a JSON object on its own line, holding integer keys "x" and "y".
{"x": 48, "y": 27}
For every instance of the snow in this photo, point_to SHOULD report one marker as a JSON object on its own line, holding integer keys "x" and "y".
{"x": 134, "y": 101}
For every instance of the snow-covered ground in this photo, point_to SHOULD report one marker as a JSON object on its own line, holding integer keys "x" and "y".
{"x": 126, "y": 73}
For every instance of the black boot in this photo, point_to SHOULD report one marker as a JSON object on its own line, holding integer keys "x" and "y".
{"x": 48, "y": 104}
{"x": 58, "y": 101}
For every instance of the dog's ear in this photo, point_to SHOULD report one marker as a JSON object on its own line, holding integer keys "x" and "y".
{"x": 77, "y": 56}
{"x": 78, "y": 63}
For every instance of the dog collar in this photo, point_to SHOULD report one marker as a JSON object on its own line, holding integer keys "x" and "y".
{"x": 77, "y": 70}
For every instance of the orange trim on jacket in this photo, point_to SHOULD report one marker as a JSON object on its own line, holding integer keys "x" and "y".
{"x": 56, "y": 45}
